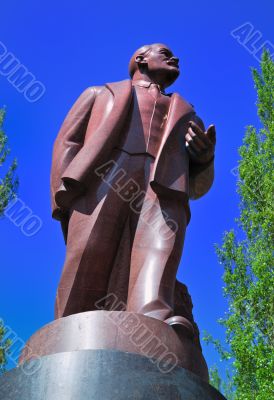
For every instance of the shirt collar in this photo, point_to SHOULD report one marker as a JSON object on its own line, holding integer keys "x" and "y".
{"x": 145, "y": 84}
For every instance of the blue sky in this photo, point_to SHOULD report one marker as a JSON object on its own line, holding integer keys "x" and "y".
{"x": 69, "y": 46}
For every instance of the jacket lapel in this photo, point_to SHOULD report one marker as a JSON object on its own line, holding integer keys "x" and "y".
{"x": 178, "y": 110}
{"x": 110, "y": 110}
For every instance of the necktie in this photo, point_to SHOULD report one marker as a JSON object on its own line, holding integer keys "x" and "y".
{"x": 154, "y": 91}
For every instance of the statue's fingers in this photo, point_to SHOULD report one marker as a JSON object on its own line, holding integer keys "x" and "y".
{"x": 211, "y": 133}
{"x": 191, "y": 152}
{"x": 195, "y": 127}
{"x": 200, "y": 133}
{"x": 201, "y": 142}
{"x": 192, "y": 144}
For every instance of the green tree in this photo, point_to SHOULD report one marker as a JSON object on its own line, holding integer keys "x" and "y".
{"x": 8, "y": 189}
{"x": 224, "y": 386}
{"x": 4, "y": 347}
{"x": 9, "y": 182}
{"x": 248, "y": 255}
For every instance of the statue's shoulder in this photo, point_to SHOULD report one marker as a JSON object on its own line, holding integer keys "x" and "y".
{"x": 189, "y": 109}
{"x": 94, "y": 90}
{"x": 186, "y": 103}
{"x": 98, "y": 89}
{"x": 181, "y": 104}
{"x": 119, "y": 86}
{"x": 90, "y": 93}
{"x": 112, "y": 86}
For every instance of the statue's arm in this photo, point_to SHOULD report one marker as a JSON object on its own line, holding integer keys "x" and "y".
{"x": 69, "y": 141}
{"x": 200, "y": 146}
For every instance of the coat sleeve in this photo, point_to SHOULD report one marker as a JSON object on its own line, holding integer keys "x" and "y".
{"x": 201, "y": 176}
{"x": 69, "y": 141}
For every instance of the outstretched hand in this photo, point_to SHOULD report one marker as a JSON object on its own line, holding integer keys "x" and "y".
{"x": 200, "y": 145}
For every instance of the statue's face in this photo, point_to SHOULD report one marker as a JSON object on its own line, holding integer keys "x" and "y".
{"x": 162, "y": 65}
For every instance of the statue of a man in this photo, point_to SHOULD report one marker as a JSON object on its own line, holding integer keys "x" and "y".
{"x": 126, "y": 161}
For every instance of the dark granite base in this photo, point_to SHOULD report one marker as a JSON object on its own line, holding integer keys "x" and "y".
{"x": 101, "y": 374}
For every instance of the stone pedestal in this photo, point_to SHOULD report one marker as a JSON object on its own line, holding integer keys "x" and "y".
{"x": 104, "y": 375}
{"x": 109, "y": 355}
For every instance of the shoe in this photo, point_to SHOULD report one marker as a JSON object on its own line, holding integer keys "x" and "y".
{"x": 181, "y": 324}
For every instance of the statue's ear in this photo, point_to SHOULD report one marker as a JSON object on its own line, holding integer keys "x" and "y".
{"x": 140, "y": 59}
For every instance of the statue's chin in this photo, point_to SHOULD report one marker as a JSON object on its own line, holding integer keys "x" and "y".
{"x": 171, "y": 77}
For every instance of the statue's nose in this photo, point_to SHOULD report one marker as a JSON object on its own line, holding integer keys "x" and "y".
{"x": 175, "y": 59}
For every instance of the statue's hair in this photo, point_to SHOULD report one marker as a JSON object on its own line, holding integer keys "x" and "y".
{"x": 142, "y": 51}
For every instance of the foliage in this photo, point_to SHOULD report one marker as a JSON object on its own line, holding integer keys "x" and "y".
{"x": 8, "y": 188}
{"x": 9, "y": 183}
{"x": 4, "y": 347}
{"x": 248, "y": 256}
{"x": 224, "y": 386}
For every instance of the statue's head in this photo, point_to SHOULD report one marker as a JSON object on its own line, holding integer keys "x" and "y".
{"x": 157, "y": 62}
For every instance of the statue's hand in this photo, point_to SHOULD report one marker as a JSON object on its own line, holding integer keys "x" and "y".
{"x": 200, "y": 145}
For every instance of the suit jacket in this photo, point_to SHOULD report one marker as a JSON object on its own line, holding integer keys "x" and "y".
{"x": 92, "y": 129}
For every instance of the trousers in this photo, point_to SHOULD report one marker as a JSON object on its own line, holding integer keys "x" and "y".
{"x": 122, "y": 238}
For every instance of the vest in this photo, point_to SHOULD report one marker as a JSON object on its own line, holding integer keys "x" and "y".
{"x": 146, "y": 122}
